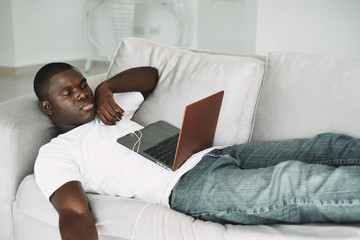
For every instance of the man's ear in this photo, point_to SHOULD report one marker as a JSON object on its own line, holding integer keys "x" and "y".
{"x": 46, "y": 107}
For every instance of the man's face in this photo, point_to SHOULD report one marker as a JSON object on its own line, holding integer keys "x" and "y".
{"x": 71, "y": 100}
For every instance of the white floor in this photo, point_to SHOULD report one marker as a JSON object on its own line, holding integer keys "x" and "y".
{"x": 14, "y": 86}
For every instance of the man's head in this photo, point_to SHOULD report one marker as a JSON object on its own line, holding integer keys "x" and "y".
{"x": 64, "y": 95}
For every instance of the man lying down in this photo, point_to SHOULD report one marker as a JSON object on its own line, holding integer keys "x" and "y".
{"x": 293, "y": 181}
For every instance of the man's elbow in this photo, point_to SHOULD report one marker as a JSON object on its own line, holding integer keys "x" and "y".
{"x": 154, "y": 73}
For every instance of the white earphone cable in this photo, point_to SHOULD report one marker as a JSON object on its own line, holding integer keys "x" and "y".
{"x": 137, "y": 219}
{"x": 138, "y": 142}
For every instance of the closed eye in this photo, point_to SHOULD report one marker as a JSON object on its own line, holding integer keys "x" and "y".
{"x": 84, "y": 84}
{"x": 67, "y": 93}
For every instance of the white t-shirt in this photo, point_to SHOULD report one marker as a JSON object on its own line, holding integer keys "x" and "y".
{"x": 90, "y": 154}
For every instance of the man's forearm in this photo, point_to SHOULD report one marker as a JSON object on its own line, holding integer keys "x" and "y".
{"x": 76, "y": 221}
{"x": 142, "y": 79}
{"x": 75, "y": 226}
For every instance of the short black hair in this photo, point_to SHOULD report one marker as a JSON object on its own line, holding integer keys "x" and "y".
{"x": 42, "y": 77}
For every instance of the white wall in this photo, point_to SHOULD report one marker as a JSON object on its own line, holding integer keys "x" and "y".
{"x": 39, "y": 31}
{"x": 263, "y": 26}
{"x": 43, "y": 31}
{"x": 228, "y": 26}
{"x": 6, "y": 35}
{"x": 54, "y": 31}
{"x": 312, "y": 26}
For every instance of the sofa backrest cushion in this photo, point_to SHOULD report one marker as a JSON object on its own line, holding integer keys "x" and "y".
{"x": 306, "y": 94}
{"x": 186, "y": 76}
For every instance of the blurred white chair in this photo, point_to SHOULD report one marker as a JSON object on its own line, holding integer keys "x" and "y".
{"x": 122, "y": 18}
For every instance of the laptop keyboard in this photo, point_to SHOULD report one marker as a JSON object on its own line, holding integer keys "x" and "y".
{"x": 165, "y": 150}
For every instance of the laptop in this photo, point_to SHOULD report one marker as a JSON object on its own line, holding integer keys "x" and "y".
{"x": 169, "y": 146}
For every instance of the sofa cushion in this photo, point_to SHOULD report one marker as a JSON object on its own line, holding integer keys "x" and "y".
{"x": 186, "y": 76}
{"x": 306, "y": 94}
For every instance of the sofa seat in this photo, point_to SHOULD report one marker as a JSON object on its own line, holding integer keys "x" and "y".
{"x": 123, "y": 218}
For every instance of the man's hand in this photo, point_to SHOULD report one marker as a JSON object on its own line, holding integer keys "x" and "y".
{"x": 76, "y": 221}
{"x": 141, "y": 79}
{"x": 107, "y": 109}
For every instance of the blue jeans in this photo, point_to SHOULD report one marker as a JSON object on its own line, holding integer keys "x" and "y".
{"x": 294, "y": 181}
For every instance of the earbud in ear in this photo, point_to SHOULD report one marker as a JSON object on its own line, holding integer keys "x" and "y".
{"x": 46, "y": 107}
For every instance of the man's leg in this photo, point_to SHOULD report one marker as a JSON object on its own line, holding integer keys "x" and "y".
{"x": 227, "y": 187}
{"x": 328, "y": 149}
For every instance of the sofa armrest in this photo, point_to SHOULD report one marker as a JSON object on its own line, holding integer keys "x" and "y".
{"x": 24, "y": 128}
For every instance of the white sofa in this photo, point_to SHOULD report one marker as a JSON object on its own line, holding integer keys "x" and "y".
{"x": 280, "y": 96}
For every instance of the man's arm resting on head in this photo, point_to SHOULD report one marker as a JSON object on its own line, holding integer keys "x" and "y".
{"x": 75, "y": 218}
{"x": 141, "y": 79}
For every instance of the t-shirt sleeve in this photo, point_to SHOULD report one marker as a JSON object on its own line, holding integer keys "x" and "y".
{"x": 55, "y": 166}
{"x": 129, "y": 101}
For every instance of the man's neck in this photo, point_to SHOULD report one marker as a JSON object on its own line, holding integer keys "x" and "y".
{"x": 64, "y": 128}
